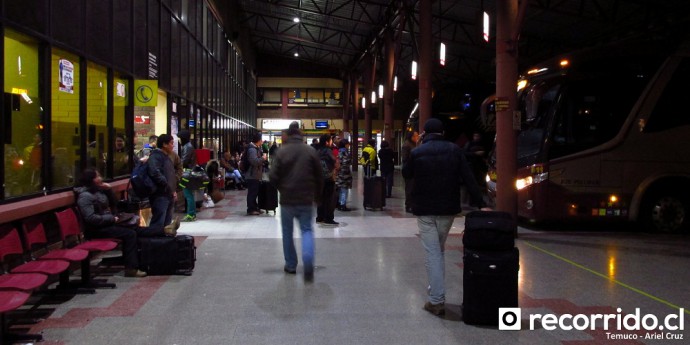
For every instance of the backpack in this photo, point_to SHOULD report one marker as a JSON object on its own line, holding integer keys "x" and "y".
{"x": 142, "y": 184}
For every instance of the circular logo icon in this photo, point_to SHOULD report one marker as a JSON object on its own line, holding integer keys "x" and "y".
{"x": 144, "y": 93}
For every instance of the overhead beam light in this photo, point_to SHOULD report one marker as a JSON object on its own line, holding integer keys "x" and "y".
{"x": 296, "y": 54}
{"x": 485, "y": 32}
{"x": 380, "y": 90}
{"x": 373, "y": 97}
{"x": 442, "y": 54}
{"x": 395, "y": 83}
{"x": 414, "y": 70}
{"x": 364, "y": 102}
{"x": 295, "y": 20}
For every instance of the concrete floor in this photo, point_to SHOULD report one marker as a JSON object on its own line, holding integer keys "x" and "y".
{"x": 370, "y": 286}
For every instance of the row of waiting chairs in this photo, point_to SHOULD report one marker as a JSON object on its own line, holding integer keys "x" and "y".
{"x": 30, "y": 264}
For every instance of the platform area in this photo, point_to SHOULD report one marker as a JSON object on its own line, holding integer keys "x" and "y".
{"x": 370, "y": 284}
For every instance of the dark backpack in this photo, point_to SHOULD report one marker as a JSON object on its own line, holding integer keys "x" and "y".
{"x": 142, "y": 184}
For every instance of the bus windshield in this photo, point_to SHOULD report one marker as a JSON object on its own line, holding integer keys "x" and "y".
{"x": 580, "y": 108}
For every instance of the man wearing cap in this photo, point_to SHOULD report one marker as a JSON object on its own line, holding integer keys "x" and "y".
{"x": 438, "y": 167}
{"x": 296, "y": 173}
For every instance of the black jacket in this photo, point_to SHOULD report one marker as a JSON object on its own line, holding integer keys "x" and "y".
{"x": 162, "y": 172}
{"x": 439, "y": 167}
{"x": 296, "y": 172}
{"x": 387, "y": 160}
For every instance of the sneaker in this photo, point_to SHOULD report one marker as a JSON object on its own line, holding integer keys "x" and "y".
{"x": 253, "y": 213}
{"x": 319, "y": 221}
{"x": 134, "y": 273}
{"x": 189, "y": 218}
{"x": 436, "y": 309}
{"x": 345, "y": 209}
{"x": 290, "y": 270}
{"x": 330, "y": 223}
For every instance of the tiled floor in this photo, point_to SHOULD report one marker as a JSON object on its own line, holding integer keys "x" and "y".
{"x": 370, "y": 285}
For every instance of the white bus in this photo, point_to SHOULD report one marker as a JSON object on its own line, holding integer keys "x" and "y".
{"x": 606, "y": 135}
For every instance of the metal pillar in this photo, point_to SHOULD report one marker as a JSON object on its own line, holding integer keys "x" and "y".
{"x": 354, "y": 145}
{"x": 506, "y": 97}
{"x": 425, "y": 64}
{"x": 388, "y": 129}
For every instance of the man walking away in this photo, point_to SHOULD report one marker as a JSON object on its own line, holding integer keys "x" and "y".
{"x": 297, "y": 176}
{"x": 438, "y": 168}
{"x": 387, "y": 166}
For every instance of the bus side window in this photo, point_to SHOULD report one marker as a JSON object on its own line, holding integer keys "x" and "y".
{"x": 671, "y": 109}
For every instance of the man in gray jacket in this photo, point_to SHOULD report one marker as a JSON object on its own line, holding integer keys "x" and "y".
{"x": 297, "y": 175}
{"x": 162, "y": 172}
{"x": 254, "y": 173}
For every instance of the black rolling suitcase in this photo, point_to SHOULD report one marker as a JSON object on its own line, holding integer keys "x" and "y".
{"x": 490, "y": 281}
{"x": 374, "y": 192}
{"x": 489, "y": 230}
{"x": 186, "y": 254}
{"x": 167, "y": 255}
{"x": 268, "y": 197}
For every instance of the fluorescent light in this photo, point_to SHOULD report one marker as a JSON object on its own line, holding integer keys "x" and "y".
{"x": 442, "y": 54}
{"x": 395, "y": 83}
{"x": 373, "y": 97}
{"x": 380, "y": 90}
{"x": 364, "y": 102}
{"x": 414, "y": 70}
{"x": 486, "y": 27}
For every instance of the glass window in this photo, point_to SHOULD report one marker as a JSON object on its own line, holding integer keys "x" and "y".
{"x": 22, "y": 127}
{"x": 670, "y": 110}
{"x": 97, "y": 117}
{"x": 66, "y": 136}
{"x": 121, "y": 86}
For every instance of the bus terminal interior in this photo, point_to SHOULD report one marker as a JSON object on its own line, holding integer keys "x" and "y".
{"x": 581, "y": 132}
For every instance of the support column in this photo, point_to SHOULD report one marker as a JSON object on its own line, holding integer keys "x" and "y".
{"x": 506, "y": 81}
{"x": 367, "y": 93}
{"x": 354, "y": 145}
{"x": 388, "y": 129}
{"x": 284, "y": 99}
{"x": 345, "y": 99}
{"x": 425, "y": 64}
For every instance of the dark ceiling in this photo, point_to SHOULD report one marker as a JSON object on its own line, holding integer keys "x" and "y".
{"x": 336, "y": 35}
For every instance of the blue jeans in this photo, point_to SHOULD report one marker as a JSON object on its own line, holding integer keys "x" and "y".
{"x": 235, "y": 175}
{"x": 161, "y": 210}
{"x": 433, "y": 230}
{"x": 191, "y": 204}
{"x": 304, "y": 215}
{"x": 342, "y": 199}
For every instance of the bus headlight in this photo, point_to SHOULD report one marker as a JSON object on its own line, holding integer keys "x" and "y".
{"x": 529, "y": 180}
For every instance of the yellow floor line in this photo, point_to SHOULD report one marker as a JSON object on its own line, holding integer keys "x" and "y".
{"x": 648, "y": 295}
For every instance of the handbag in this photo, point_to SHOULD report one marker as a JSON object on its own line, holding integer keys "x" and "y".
{"x": 137, "y": 206}
{"x": 217, "y": 196}
{"x": 128, "y": 220}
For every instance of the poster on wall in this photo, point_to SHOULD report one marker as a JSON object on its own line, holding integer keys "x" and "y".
{"x": 66, "y": 76}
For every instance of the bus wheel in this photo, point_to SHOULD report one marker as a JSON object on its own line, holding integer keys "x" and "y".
{"x": 667, "y": 212}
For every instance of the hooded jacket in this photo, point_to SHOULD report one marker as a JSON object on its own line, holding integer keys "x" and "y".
{"x": 439, "y": 168}
{"x": 94, "y": 206}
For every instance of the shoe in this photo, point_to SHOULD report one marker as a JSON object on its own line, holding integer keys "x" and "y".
{"x": 175, "y": 223}
{"x": 170, "y": 230}
{"x": 290, "y": 270}
{"x": 330, "y": 223}
{"x": 134, "y": 273}
{"x": 345, "y": 209}
{"x": 253, "y": 213}
{"x": 308, "y": 274}
{"x": 189, "y": 218}
{"x": 436, "y": 309}
{"x": 319, "y": 221}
